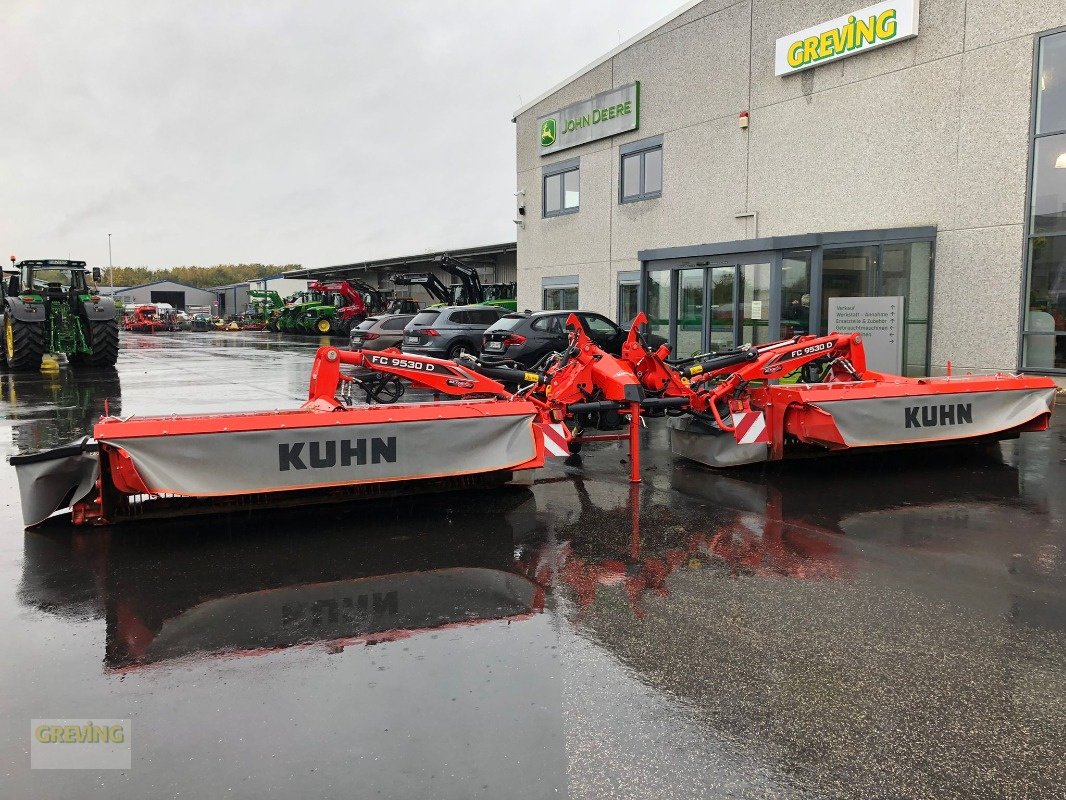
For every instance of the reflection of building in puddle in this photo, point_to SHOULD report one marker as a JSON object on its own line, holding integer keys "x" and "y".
{"x": 50, "y": 410}
{"x": 256, "y": 586}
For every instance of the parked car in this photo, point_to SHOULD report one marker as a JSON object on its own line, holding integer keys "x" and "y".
{"x": 527, "y": 337}
{"x": 380, "y": 332}
{"x": 450, "y": 331}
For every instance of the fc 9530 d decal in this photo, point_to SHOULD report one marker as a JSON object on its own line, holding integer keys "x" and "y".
{"x": 807, "y": 351}
{"x": 403, "y": 363}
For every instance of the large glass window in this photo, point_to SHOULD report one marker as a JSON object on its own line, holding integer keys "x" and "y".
{"x": 628, "y": 292}
{"x": 642, "y": 174}
{"x": 560, "y": 294}
{"x": 1044, "y": 347}
{"x": 562, "y": 190}
{"x": 728, "y": 300}
{"x": 723, "y": 284}
{"x": 1048, "y": 213}
{"x": 905, "y": 272}
{"x": 755, "y": 304}
{"x": 795, "y": 293}
{"x": 689, "y": 313}
{"x": 846, "y": 272}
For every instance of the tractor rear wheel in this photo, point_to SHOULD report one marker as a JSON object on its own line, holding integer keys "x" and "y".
{"x": 324, "y": 326}
{"x": 102, "y": 337}
{"x": 23, "y": 344}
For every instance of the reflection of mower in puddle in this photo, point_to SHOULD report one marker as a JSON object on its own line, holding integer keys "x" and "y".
{"x": 779, "y": 523}
{"x": 255, "y": 587}
{"x": 638, "y": 548}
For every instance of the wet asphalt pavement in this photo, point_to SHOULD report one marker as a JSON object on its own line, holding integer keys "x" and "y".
{"x": 890, "y": 626}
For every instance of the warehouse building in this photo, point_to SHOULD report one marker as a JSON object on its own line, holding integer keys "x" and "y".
{"x": 495, "y": 264}
{"x": 231, "y": 299}
{"x": 746, "y": 171}
{"x": 179, "y": 295}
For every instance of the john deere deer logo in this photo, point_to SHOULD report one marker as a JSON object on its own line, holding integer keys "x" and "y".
{"x": 547, "y": 133}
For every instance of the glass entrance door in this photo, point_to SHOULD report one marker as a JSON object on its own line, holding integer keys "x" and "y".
{"x": 753, "y": 306}
{"x": 723, "y": 302}
{"x": 690, "y": 308}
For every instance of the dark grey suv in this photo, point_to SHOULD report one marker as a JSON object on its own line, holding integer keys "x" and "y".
{"x": 450, "y": 331}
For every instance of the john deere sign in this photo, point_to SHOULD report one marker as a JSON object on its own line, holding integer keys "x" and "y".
{"x": 606, "y": 114}
{"x": 875, "y": 26}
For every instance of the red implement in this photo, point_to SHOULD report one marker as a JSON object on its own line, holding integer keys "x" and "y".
{"x": 799, "y": 397}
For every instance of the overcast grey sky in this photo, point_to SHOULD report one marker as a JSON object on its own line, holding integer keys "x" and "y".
{"x": 276, "y": 131}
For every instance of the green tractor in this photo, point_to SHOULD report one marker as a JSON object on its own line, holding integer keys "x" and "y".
{"x": 300, "y": 303}
{"x": 272, "y": 306}
{"x": 319, "y": 319}
{"x": 48, "y": 307}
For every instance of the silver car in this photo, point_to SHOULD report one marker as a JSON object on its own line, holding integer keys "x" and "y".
{"x": 380, "y": 332}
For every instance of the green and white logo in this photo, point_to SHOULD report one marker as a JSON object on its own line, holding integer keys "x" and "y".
{"x": 547, "y": 133}
{"x": 606, "y": 114}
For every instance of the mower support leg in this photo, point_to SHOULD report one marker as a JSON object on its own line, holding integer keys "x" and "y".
{"x": 634, "y": 442}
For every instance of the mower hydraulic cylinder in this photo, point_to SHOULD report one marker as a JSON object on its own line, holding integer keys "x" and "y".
{"x": 720, "y": 362}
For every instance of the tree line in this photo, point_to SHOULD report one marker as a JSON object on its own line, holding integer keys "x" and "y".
{"x": 200, "y": 277}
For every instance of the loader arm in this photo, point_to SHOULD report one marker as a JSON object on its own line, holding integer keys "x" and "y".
{"x": 377, "y": 299}
{"x": 345, "y": 290}
{"x": 467, "y": 276}
{"x": 428, "y": 281}
{"x": 270, "y": 295}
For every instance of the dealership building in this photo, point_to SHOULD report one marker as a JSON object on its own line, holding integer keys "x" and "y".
{"x": 748, "y": 171}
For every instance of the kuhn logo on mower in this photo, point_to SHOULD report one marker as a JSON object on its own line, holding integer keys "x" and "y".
{"x": 934, "y": 415}
{"x": 324, "y": 455}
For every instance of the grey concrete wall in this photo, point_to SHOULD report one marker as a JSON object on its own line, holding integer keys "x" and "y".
{"x": 930, "y": 131}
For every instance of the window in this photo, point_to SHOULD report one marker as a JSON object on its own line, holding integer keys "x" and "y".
{"x": 548, "y": 325}
{"x": 425, "y": 318}
{"x": 560, "y": 293}
{"x": 641, "y": 170}
{"x": 596, "y": 324}
{"x": 562, "y": 188}
{"x": 628, "y": 295}
{"x": 483, "y": 317}
{"x": 1044, "y": 345}
{"x": 395, "y": 324}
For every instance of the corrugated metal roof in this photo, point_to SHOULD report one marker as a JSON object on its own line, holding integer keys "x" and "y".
{"x": 340, "y": 270}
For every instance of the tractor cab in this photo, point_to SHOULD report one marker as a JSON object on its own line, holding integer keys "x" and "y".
{"x": 51, "y": 279}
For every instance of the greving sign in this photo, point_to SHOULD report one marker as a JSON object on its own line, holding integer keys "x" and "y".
{"x": 857, "y": 32}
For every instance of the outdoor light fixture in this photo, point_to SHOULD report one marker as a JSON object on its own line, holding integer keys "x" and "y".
{"x": 1060, "y": 162}
{"x": 743, "y": 119}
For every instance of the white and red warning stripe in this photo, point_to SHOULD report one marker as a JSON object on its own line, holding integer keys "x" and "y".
{"x": 749, "y": 427}
{"x": 556, "y": 439}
